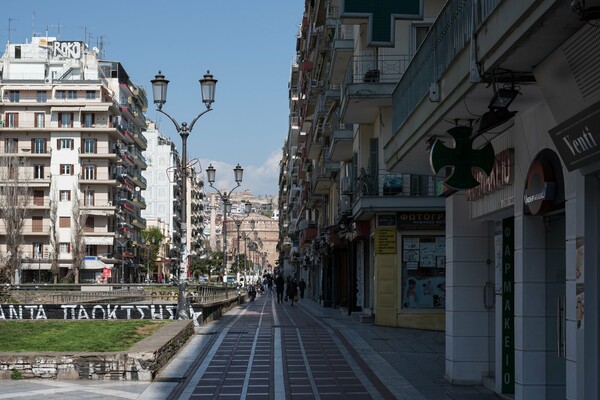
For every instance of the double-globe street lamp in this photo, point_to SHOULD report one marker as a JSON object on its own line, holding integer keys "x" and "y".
{"x": 238, "y": 225}
{"x": 211, "y": 173}
{"x": 159, "y": 90}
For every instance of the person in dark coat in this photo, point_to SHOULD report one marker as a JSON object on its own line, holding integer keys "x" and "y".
{"x": 279, "y": 283}
{"x": 292, "y": 290}
{"x": 302, "y": 287}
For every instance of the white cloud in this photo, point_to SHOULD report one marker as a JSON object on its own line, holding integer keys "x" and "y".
{"x": 258, "y": 179}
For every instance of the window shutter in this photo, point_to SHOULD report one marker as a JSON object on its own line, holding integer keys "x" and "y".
{"x": 95, "y": 173}
{"x": 72, "y": 140}
{"x": 72, "y": 168}
{"x": 60, "y": 120}
{"x": 33, "y": 149}
{"x": 16, "y": 120}
{"x": 95, "y": 146}
{"x": 58, "y": 144}
{"x": 72, "y": 120}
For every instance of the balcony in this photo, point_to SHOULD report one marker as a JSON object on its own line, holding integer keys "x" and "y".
{"x": 391, "y": 192}
{"x": 368, "y": 85}
{"x": 508, "y": 39}
{"x": 341, "y": 51}
{"x": 342, "y": 137}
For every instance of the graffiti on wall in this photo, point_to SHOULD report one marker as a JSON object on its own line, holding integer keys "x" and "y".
{"x": 92, "y": 311}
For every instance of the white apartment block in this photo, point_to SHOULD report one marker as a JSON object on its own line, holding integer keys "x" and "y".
{"x": 71, "y": 128}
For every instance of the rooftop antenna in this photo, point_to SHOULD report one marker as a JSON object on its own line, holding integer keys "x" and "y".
{"x": 100, "y": 44}
{"x": 87, "y": 35}
{"x": 10, "y": 20}
{"x": 33, "y": 34}
{"x": 54, "y": 26}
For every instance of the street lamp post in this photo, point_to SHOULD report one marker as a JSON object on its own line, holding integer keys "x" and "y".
{"x": 238, "y": 224}
{"x": 159, "y": 90}
{"x": 238, "y": 175}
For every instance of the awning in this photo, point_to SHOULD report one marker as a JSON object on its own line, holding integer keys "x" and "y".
{"x": 65, "y": 109}
{"x": 99, "y": 240}
{"x": 9, "y": 87}
{"x": 103, "y": 213}
{"x": 93, "y": 263}
{"x": 97, "y": 108}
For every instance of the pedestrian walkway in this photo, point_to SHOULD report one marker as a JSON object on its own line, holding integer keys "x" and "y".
{"x": 269, "y": 350}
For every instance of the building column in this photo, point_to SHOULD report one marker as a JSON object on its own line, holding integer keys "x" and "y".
{"x": 469, "y": 266}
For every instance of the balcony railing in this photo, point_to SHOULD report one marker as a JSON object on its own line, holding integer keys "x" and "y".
{"x": 376, "y": 69}
{"x": 448, "y": 36}
{"x": 393, "y": 184}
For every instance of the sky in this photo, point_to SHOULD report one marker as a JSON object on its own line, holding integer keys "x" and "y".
{"x": 248, "y": 46}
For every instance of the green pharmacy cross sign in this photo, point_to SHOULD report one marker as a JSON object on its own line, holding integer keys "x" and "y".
{"x": 381, "y": 15}
{"x": 462, "y": 158}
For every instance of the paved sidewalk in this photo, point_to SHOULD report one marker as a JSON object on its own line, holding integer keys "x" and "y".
{"x": 410, "y": 363}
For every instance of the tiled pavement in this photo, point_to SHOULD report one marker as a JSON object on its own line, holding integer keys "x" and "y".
{"x": 266, "y": 350}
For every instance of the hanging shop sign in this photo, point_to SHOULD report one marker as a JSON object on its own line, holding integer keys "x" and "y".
{"x": 462, "y": 159}
{"x": 578, "y": 138}
{"x": 422, "y": 220}
{"x": 380, "y": 16}
{"x": 540, "y": 188}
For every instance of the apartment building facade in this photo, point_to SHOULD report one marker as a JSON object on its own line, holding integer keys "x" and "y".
{"x": 511, "y": 84}
{"x": 516, "y": 259}
{"x": 72, "y": 142}
{"x": 353, "y": 228}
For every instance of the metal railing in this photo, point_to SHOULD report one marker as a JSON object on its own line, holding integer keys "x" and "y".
{"x": 449, "y": 35}
{"x": 394, "y": 184}
{"x": 128, "y": 293}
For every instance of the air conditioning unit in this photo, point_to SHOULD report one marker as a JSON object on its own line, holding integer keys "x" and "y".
{"x": 346, "y": 185}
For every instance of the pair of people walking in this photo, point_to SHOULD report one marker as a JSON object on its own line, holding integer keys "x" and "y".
{"x": 292, "y": 289}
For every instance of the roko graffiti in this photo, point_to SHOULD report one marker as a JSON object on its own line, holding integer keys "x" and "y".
{"x": 92, "y": 311}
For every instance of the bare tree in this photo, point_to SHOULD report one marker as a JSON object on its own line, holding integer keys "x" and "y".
{"x": 54, "y": 252}
{"x": 14, "y": 198}
{"x": 78, "y": 221}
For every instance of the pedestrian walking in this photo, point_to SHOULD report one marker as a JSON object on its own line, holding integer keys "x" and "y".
{"x": 292, "y": 290}
{"x": 279, "y": 282}
{"x": 302, "y": 287}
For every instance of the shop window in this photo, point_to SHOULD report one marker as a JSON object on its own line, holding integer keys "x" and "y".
{"x": 423, "y": 271}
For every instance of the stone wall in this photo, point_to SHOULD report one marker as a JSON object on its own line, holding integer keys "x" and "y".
{"x": 141, "y": 363}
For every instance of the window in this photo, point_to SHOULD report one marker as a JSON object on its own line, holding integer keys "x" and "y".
{"x": 61, "y": 94}
{"x": 65, "y": 195}
{"x": 71, "y": 94}
{"x": 424, "y": 271}
{"x": 91, "y": 250}
{"x": 41, "y": 96}
{"x": 419, "y": 33}
{"x": 89, "y": 146}
{"x": 66, "y": 169}
{"x": 12, "y": 120}
{"x": 65, "y": 144}
{"x": 65, "y": 120}
{"x": 38, "y": 197}
{"x": 37, "y": 224}
{"x": 11, "y": 145}
{"x": 65, "y": 248}
{"x": 89, "y": 224}
{"x": 38, "y": 171}
{"x": 88, "y": 199}
{"x": 14, "y": 96}
{"x": 38, "y": 146}
{"x": 39, "y": 120}
{"x": 90, "y": 94}
{"x": 89, "y": 172}
{"x": 64, "y": 222}
{"x": 38, "y": 250}
{"x": 88, "y": 120}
